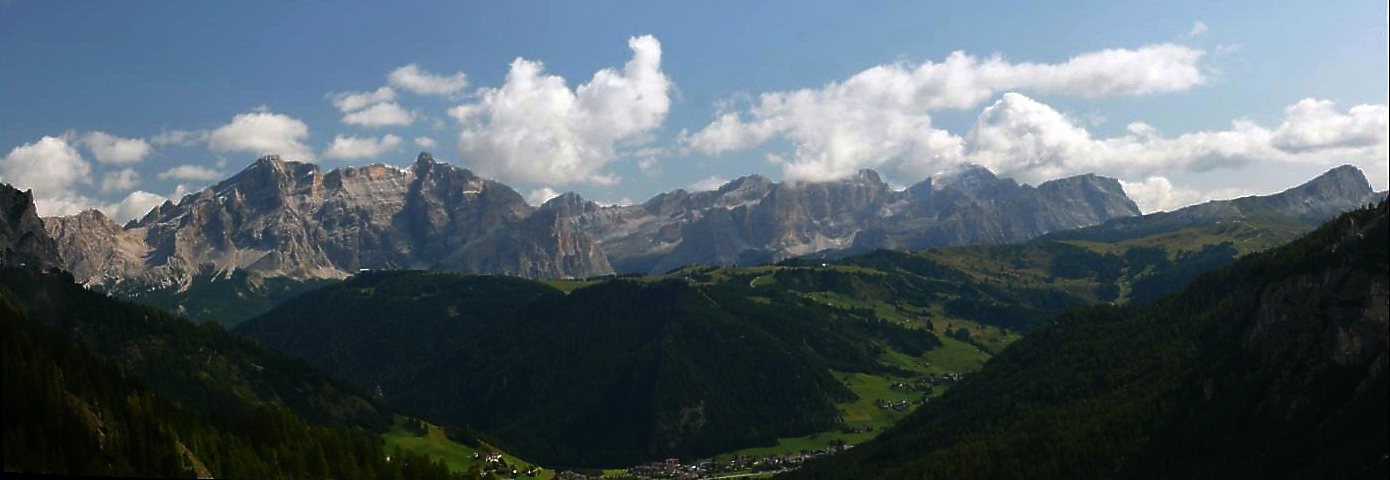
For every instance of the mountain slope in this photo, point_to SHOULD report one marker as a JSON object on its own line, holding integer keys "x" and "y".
{"x": 1274, "y": 366}
{"x": 611, "y": 374}
{"x": 97, "y": 386}
{"x": 1290, "y": 212}
{"x": 68, "y": 411}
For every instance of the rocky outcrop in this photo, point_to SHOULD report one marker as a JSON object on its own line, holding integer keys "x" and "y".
{"x": 96, "y": 250}
{"x": 290, "y": 219}
{"x": 23, "y": 240}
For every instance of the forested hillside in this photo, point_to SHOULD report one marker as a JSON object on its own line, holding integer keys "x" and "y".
{"x": 198, "y": 365}
{"x": 69, "y": 410}
{"x": 611, "y": 374}
{"x": 1271, "y": 367}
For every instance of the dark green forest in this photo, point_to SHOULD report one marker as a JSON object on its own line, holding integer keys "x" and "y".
{"x": 612, "y": 374}
{"x": 1272, "y": 367}
{"x": 69, "y": 410}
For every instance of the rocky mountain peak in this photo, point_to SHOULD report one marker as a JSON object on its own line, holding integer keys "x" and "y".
{"x": 94, "y": 217}
{"x": 568, "y": 204}
{"x": 1319, "y": 199}
{"x": 746, "y": 183}
{"x": 968, "y": 177}
{"x": 23, "y": 239}
{"x": 1344, "y": 182}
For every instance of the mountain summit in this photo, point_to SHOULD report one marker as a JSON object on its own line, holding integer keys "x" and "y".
{"x": 23, "y": 240}
{"x": 754, "y": 220}
{"x": 278, "y": 218}
{"x": 281, "y": 218}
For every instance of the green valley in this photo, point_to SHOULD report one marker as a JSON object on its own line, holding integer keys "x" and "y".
{"x": 1269, "y": 367}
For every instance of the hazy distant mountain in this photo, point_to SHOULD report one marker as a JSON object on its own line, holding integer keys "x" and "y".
{"x": 755, "y": 220}
{"x": 277, "y": 218}
{"x": 1302, "y": 207}
{"x": 23, "y": 240}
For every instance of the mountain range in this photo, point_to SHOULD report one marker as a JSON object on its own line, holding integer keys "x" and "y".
{"x": 278, "y": 218}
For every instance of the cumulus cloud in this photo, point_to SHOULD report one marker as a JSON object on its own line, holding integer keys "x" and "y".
{"x": 112, "y": 149}
{"x": 191, "y": 172}
{"x": 120, "y": 181}
{"x": 541, "y": 195}
{"x": 424, "y": 142}
{"x": 133, "y": 206}
{"x": 263, "y": 133}
{"x": 1313, "y": 124}
{"x": 416, "y": 80}
{"x": 882, "y": 118}
{"x": 53, "y": 169}
{"x": 380, "y": 115}
{"x": 1157, "y": 194}
{"x": 1020, "y": 137}
{"x": 353, "y": 148}
{"x": 536, "y": 129}
{"x": 353, "y": 101}
{"x": 50, "y": 166}
{"x": 882, "y": 115}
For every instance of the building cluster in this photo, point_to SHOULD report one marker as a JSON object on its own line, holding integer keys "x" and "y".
{"x": 674, "y": 468}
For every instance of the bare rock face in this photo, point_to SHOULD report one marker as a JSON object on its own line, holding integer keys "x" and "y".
{"x": 96, "y": 250}
{"x": 291, "y": 219}
{"x": 23, "y": 240}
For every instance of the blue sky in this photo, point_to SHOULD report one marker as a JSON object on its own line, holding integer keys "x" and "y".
{"x": 118, "y": 105}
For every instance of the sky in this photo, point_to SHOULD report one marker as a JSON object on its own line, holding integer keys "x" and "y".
{"x": 122, "y": 105}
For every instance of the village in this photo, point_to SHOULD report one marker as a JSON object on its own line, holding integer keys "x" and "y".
{"x": 737, "y": 466}
{"x": 740, "y": 466}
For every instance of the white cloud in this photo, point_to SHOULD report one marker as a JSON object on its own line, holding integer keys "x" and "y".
{"x": 1157, "y": 194}
{"x": 191, "y": 172}
{"x": 112, "y": 149}
{"x": 49, "y": 166}
{"x": 416, "y": 80}
{"x": 541, "y": 195}
{"x": 1030, "y": 141}
{"x": 424, "y": 142}
{"x": 1313, "y": 124}
{"x": 882, "y": 115}
{"x": 712, "y": 182}
{"x": 353, "y": 148}
{"x": 535, "y": 129}
{"x": 263, "y": 133}
{"x": 120, "y": 181}
{"x": 133, "y": 206}
{"x": 353, "y": 101}
{"x": 380, "y": 115}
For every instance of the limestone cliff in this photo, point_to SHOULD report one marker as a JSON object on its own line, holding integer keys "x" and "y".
{"x": 23, "y": 240}
{"x": 290, "y": 219}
